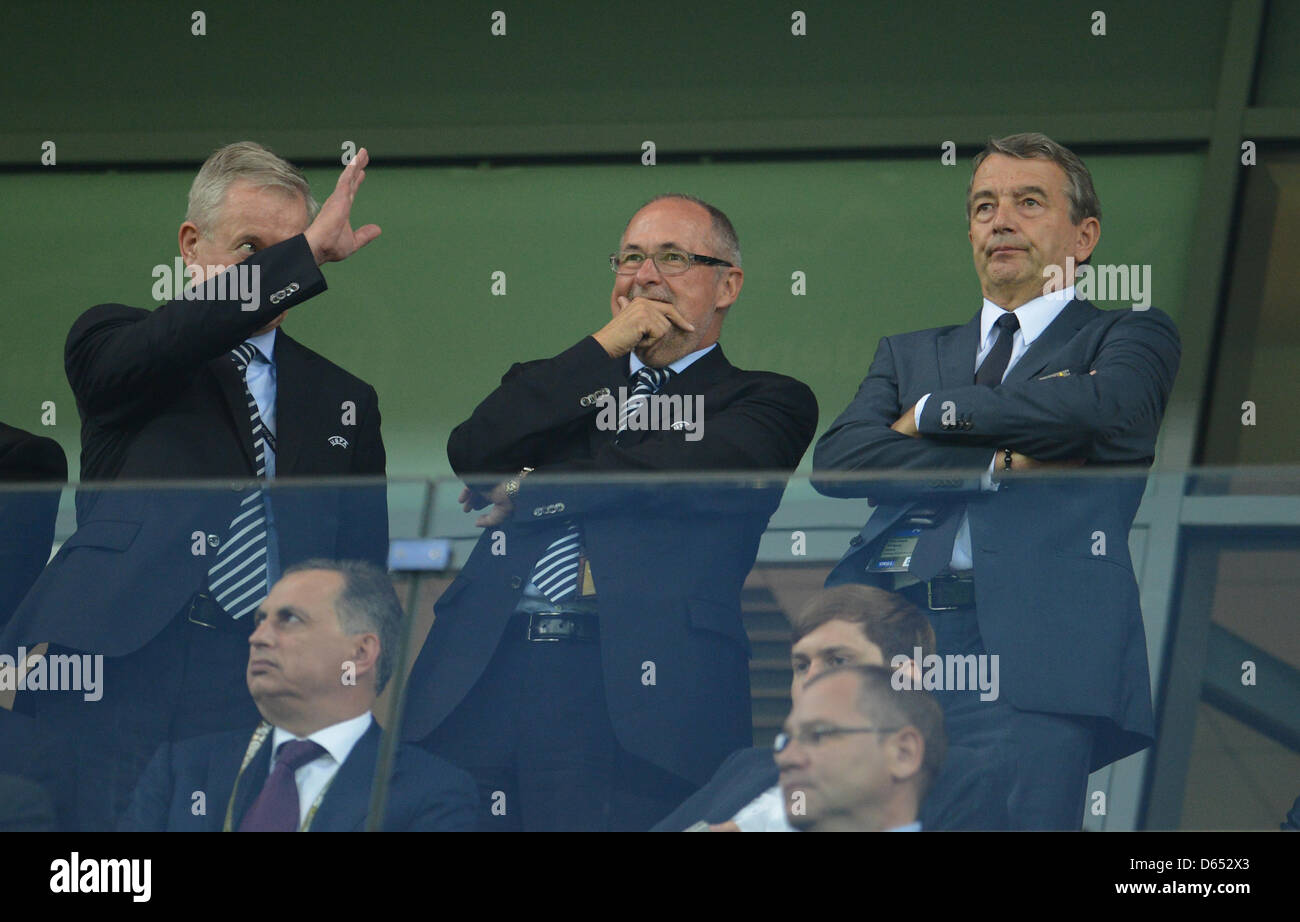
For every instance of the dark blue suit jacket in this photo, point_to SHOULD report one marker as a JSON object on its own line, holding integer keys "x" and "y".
{"x": 668, "y": 559}
{"x": 1064, "y": 621}
{"x": 961, "y": 798}
{"x": 160, "y": 400}
{"x": 426, "y": 794}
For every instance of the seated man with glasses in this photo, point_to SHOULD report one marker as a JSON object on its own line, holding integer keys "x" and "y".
{"x": 858, "y": 755}
{"x": 848, "y": 625}
{"x": 589, "y": 665}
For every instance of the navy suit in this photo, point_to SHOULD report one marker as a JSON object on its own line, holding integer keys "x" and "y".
{"x": 27, "y": 517}
{"x": 668, "y": 562}
{"x": 964, "y": 796}
{"x": 160, "y": 399}
{"x": 1064, "y": 620}
{"x": 425, "y": 794}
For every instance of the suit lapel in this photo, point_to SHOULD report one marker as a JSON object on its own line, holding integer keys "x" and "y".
{"x": 251, "y": 782}
{"x": 347, "y": 802}
{"x": 957, "y": 349}
{"x": 232, "y": 389}
{"x": 293, "y": 401}
{"x": 1060, "y": 331}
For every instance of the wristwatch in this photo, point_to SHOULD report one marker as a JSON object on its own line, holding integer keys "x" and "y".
{"x": 512, "y": 485}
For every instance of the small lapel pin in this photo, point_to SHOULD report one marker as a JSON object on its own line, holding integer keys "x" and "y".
{"x": 338, "y": 441}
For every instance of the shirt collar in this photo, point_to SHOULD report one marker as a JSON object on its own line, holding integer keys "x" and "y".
{"x": 914, "y": 826}
{"x": 337, "y": 739}
{"x": 265, "y": 343}
{"x": 1035, "y": 316}
{"x": 635, "y": 364}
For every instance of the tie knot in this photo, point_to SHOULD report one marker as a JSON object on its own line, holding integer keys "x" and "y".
{"x": 1009, "y": 322}
{"x": 243, "y": 355}
{"x": 650, "y": 380}
{"x": 297, "y": 753}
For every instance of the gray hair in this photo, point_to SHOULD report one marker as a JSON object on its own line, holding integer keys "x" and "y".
{"x": 1035, "y": 146}
{"x": 247, "y": 161}
{"x": 367, "y": 603}
{"x": 724, "y": 233}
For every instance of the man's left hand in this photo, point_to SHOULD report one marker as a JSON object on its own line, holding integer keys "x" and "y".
{"x": 906, "y": 423}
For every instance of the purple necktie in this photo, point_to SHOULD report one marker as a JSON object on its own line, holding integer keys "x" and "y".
{"x": 276, "y": 808}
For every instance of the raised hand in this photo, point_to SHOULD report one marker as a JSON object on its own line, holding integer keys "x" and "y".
{"x": 331, "y": 236}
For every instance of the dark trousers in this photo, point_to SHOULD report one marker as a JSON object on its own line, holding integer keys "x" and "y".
{"x": 535, "y": 734}
{"x": 1041, "y": 759}
{"x": 187, "y": 681}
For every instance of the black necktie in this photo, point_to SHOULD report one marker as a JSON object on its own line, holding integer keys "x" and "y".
{"x": 995, "y": 363}
{"x": 933, "y": 550}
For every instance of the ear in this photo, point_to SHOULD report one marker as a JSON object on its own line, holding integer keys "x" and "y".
{"x": 729, "y": 288}
{"x": 365, "y": 654}
{"x": 1087, "y": 236}
{"x": 187, "y": 238}
{"x": 906, "y": 753}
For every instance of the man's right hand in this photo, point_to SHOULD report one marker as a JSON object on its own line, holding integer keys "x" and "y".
{"x": 1021, "y": 462}
{"x": 331, "y": 236}
{"x": 639, "y": 322}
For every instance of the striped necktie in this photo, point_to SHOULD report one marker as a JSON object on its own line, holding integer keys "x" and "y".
{"x": 645, "y": 382}
{"x": 237, "y": 580}
{"x": 556, "y": 573}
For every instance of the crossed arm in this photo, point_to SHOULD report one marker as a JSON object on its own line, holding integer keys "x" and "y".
{"x": 1060, "y": 420}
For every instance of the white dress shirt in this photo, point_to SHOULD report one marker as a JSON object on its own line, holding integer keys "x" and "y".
{"x": 765, "y": 813}
{"x": 635, "y": 364}
{"x": 1035, "y": 316}
{"x": 337, "y": 740}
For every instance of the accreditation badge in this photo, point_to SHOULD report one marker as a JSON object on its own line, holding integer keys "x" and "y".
{"x": 896, "y": 554}
{"x": 586, "y": 586}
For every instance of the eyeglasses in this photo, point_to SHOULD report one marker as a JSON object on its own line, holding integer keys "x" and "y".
{"x": 813, "y": 736}
{"x": 669, "y": 262}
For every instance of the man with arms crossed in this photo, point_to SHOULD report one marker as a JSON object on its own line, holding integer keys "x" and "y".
{"x": 1005, "y": 564}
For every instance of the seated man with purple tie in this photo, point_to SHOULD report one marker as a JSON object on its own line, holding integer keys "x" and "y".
{"x": 324, "y": 647}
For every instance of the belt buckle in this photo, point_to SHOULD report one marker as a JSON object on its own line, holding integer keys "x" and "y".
{"x": 198, "y": 598}
{"x": 929, "y": 598}
{"x": 534, "y": 628}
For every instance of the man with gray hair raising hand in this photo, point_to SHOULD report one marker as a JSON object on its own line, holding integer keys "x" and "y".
{"x": 162, "y": 583}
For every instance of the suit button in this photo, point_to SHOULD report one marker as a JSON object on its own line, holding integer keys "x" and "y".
{"x": 516, "y": 582}
{"x": 855, "y": 541}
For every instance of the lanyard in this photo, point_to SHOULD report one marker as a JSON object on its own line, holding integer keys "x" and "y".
{"x": 254, "y": 744}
